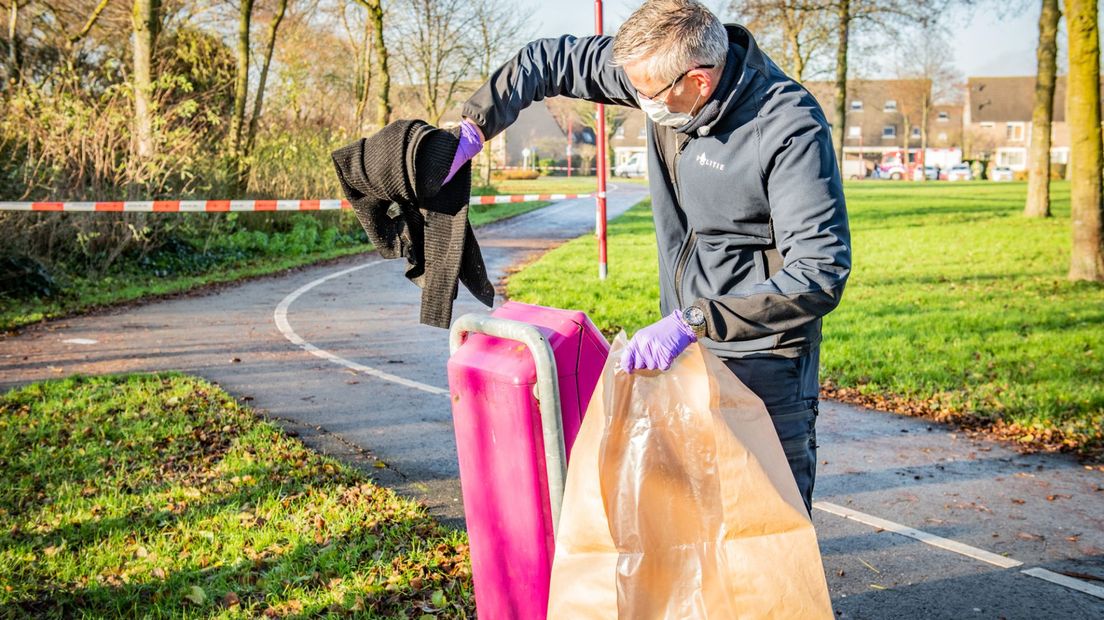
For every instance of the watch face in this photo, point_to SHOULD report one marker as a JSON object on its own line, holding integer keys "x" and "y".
{"x": 694, "y": 316}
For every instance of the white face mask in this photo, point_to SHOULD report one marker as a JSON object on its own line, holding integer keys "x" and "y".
{"x": 662, "y": 115}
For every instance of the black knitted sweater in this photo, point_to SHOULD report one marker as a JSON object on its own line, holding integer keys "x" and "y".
{"x": 394, "y": 181}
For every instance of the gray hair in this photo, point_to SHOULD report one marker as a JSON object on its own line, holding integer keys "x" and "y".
{"x": 670, "y": 36}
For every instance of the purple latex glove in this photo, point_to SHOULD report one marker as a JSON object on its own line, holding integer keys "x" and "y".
{"x": 471, "y": 142}
{"x": 656, "y": 346}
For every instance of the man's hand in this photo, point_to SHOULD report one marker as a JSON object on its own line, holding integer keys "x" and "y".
{"x": 471, "y": 142}
{"x": 656, "y": 346}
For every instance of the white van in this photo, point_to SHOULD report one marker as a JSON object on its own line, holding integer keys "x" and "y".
{"x": 635, "y": 166}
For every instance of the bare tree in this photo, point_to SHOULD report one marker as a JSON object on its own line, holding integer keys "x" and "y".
{"x": 382, "y": 68}
{"x": 500, "y": 28}
{"x": 794, "y": 32}
{"x": 1083, "y": 112}
{"x": 886, "y": 15}
{"x": 258, "y": 99}
{"x": 1038, "y": 180}
{"x": 436, "y": 54}
{"x": 584, "y": 114}
{"x": 927, "y": 76}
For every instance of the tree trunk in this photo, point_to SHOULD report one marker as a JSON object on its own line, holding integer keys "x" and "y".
{"x": 792, "y": 32}
{"x": 1038, "y": 183}
{"x": 258, "y": 100}
{"x": 1083, "y": 114}
{"x": 383, "y": 94}
{"x": 241, "y": 89}
{"x": 146, "y": 20}
{"x": 907, "y": 128}
{"x": 364, "y": 77}
{"x": 844, "y": 13}
{"x": 15, "y": 59}
{"x": 925, "y": 114}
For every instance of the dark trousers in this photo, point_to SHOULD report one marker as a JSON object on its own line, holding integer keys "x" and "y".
{"x": 791, "y": 390}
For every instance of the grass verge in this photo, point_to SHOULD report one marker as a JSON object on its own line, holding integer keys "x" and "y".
{"x": 87, "y": 294}
{"x": 159, "y": 496}
{"x": 957, "y": 309}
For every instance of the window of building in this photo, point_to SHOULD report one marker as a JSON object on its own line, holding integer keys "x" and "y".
{"x": 889, "y": 131}
{"x": 915, "y": 132}
{"x": 620, "y": 133}
{"x": 643, "y": 133}
{"x": 942, "y": 136}
{"x": 1059, "y": 155}
{"x": 1015, "y": 132}
{"x": 854, "y": 131}
{"x": 856, "y": 105}
{"x": 1014, "y": 158}
{"x": 943, "y": 117}
{"x": 890, "y": 105}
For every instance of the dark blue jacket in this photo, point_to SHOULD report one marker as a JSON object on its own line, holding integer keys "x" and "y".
{"x": 748, "y": 204}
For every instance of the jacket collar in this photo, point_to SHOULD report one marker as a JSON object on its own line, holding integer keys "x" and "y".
{"x": 744, "y": 57}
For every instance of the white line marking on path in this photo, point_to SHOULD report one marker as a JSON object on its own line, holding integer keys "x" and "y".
{"x": 1065, "y": 580}
{"x": 80, "y": 341}
{"x": 960, "y": 548}
{"x": 280, "y": 316}
{"x": 924, "y": 537}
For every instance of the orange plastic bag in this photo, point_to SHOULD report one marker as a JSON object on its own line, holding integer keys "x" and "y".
{"x": 679, "y": 503}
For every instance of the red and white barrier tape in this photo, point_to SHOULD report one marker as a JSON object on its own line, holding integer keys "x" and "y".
{"x": 224, "y": 206}
{"x": 494, "y": 200}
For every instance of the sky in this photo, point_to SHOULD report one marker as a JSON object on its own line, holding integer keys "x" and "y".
{"x": 984, "y": 43}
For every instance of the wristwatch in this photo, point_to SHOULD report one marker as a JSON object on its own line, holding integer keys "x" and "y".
{"x": 695, "y": 318}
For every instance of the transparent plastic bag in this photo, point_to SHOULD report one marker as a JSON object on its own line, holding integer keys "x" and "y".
{"x": 679, "y": 503}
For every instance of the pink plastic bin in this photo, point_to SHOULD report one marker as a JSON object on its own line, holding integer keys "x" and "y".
{"x": 520, "y": 380}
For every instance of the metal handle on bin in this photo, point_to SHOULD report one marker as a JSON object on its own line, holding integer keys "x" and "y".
{"x": 548, "y": 391}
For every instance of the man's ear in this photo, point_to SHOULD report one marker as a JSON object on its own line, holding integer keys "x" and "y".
{"x": 702, "y": 82}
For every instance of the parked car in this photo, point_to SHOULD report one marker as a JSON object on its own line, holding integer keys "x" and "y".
{"x": 635, "y": 166}
{"x": 961, "y": 172}
{"x": 1001, "y": 173}
{"x": 895, "y": 172}
{"x": 931, "y": 173}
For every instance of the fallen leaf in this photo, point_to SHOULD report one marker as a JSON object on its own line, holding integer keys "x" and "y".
{"x": 196, "y": 595}
{"x": 1016, "y": 500}
{"x": 231, "y": 600}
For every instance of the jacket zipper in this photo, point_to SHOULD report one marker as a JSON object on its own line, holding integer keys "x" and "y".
{"x": 684, "y": 255}
{"x": 680, "y": 266}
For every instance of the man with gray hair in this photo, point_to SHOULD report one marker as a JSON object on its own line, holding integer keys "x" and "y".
{"x": 751, "y": 226}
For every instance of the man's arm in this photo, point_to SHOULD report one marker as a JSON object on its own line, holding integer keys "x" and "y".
{"x": 581, "y": 68}
{"x": 810, "y": 228}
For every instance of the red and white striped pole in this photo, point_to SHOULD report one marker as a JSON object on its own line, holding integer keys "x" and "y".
{"x": 603, "y": 162}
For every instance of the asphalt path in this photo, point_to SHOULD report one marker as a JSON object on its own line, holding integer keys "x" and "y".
{"x": 914, "y": 519}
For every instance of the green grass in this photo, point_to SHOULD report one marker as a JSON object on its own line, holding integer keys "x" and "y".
{"x": 158, "y": 496}
{"x": 957, "y": 307}
{"x": 559, "y": 185}
{"x": 82, "y": 294}
{"x": 547, "y": 185}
